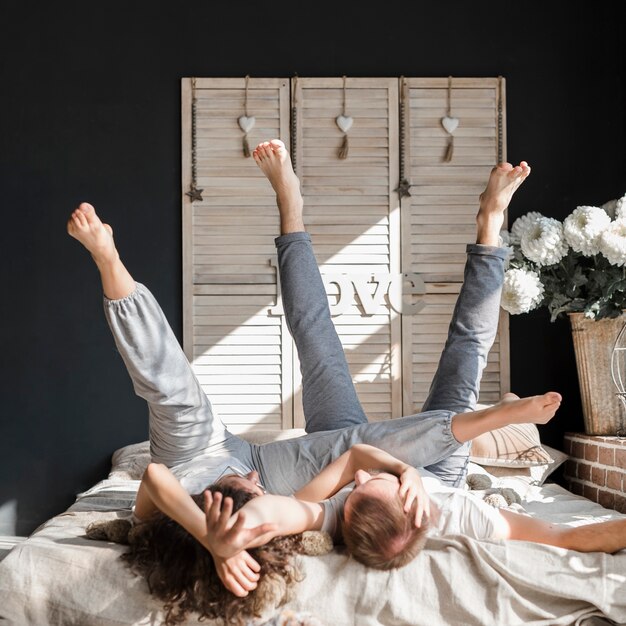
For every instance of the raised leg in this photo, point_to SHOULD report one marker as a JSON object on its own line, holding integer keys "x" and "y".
{"x": 474, "y": 323}
{"x": 182, "y": 423}
{"x": 328, "y": 395}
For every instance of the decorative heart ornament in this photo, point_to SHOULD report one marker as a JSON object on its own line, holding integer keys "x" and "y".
{"x": 450, "y": 123}
{"x": 246, "y": 123}
{"x": 344, "y": 122}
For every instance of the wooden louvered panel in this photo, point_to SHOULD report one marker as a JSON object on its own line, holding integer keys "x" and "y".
{"x": 350, "y": 212}
{"x": 430, "y": 337}
{"x": 438, "y": 219}
{"x": 240, "y": 353}
{"x": 239, "y": 363}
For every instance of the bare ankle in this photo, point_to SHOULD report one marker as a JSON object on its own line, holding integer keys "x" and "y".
{"x": 488, "y": 227}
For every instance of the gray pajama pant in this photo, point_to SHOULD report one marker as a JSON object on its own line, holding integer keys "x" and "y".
{"x": 183, "y": 427}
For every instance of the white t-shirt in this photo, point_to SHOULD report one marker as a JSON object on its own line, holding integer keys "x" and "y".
{"x": 460, "y": 512}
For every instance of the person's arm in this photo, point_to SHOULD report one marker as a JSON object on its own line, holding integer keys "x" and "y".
{"x": 280, "y": 515}
{"x": 365, "y": 457}
{"x": 607, "y": 536}
{"x": 160, "y": 490}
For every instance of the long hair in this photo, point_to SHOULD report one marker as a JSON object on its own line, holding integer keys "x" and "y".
{"x": 381, "y": 535}
{"x": 181, "y": 572}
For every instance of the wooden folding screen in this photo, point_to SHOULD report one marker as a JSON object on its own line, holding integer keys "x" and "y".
{"x": 439, "y": 217}
{"x": 365, "y": 235}
{"x": 240, "y": 353}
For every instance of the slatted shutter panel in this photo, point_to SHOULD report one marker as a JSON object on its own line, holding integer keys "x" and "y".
{"x": 352, "y": 213}
{"x": 438, "y": 219}
{"x": 240, "y": 353}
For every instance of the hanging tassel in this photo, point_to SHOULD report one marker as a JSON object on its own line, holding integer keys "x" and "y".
{"x": 246, "y": 146}
{"x": 449, "y": 150}
{"x": 343, "y": 151}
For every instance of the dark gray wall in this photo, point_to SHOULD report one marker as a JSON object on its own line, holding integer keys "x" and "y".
{"x": 89, "y": 110}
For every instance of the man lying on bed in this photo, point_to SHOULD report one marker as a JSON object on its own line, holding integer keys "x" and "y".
{"x": 186, "y": 437}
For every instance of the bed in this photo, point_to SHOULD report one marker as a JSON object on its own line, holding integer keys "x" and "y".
{"x": 58, "y": 576}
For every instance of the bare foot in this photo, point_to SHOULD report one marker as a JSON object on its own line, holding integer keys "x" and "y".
{"x": 273, "y": 159}
{"x": 85, "y": 226}
{"x": 502, "y": 184}
{"x": 535, "y": 409}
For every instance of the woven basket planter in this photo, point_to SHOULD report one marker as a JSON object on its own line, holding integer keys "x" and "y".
{"x": 593, "y": 346}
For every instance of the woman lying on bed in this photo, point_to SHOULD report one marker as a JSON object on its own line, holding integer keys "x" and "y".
{"x": 187, "y": 438}
{"x": 425, "y": 506}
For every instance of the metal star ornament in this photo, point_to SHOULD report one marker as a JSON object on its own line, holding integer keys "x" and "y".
{"x": 403, "y": 188}
{"x": 195, "y": 194}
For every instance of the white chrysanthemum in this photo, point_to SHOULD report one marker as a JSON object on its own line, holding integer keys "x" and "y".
{"x": 620, "y": 208}
{"x": 522, "y": 291}
{"x": 615, "y": 209}
{"x": 613, "y": 242}
{"x": 583, "y": 227}
{"x": 544, "y": 242}
{"x": 609, "y": 208}
{"x": 522, "y": 224}
{"x": 505, "y": 242}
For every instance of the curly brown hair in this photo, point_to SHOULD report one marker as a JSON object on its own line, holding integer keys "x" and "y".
{"x": 181, "y": 572}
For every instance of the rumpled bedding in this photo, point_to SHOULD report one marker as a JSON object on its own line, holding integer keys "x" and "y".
{"x": 57, "y": 576}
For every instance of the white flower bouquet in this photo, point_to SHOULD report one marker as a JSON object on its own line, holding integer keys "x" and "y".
{"x": 578, "y": 265}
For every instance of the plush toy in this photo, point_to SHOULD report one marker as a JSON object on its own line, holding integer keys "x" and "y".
{"x": 497, "y": 497}
{"x": 316, "y": 543}
{"x": 115, "y": 530}
{"x": 120, "y": 530}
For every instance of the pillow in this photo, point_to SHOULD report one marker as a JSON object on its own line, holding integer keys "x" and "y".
{"x": 536, "y": 474}
{"x": 513, "y": 446}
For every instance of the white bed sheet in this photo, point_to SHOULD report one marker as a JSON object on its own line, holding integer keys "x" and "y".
{"x": 57, "y": 576}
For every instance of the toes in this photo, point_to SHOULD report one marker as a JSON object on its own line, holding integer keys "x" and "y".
{"x": 520, "y": 171}
{"x": 277, "y": 144}
{"x": 553, "y": 397}
{"x": 504, "y": 167}
{"x": 86, "y": 208}
{"x": 80, "y": 219}
{"x": 510, "y": 396}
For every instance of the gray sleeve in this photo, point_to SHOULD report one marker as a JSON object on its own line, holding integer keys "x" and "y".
{"x": 333, "y": 513}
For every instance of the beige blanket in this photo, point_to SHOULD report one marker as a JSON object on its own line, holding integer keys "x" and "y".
{"x": 59, "y": 577}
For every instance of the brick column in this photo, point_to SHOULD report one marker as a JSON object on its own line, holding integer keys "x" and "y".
{"x": 597, "y": 468}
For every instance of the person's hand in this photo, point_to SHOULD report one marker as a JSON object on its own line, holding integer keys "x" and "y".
{"x": 238, "y": 573}
{"x": 226, "y": 535}
{"x": 412, "y": 488}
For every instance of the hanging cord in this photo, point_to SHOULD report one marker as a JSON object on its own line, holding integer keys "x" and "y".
{"x": 404, "y": 185}
{"x": 293, "y": 121}
{"x": 500, "y": 123}
{"x": 344, "y": 125}
{"x": 245, "y": 126}
{"x": 194, "y": 193}
{"x": 450, "y": 148}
